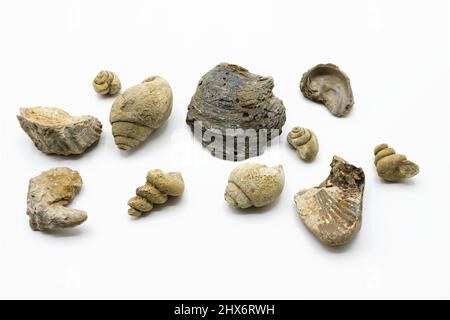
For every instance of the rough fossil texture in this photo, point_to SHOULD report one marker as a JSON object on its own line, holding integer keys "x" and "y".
{"x": 54, "y": 131}
{"x": 333, "y": 210}
{"x": 140, "y": 110}
{"x": 393, "y": 167}
{"x": 327, "y": 84}
{"x": 254, "y": 185}
{"x": 48, "y": 194}
{"x": 305, "y": 143}
{"x": 107, "y": 83}
{"x": 236, "y": 111}
{"x": 157, "y": 189}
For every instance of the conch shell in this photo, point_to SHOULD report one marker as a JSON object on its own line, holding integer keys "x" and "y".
{"x": 305, "y": 143}
{"x": 158, "y": 187}
{"x": 140, "y": 110}
{"x": 333, "y": 210}
{"x": 254, "y": 185}
{"x": 48, "y": 194}
{"x": 327, "y": 84}
{"x": 54, "y": 131}
{"x": 107, "y": 83}
{"x": 391, "y": 166}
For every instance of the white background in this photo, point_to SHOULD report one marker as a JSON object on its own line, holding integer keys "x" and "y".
{"x": 396, "y": 54}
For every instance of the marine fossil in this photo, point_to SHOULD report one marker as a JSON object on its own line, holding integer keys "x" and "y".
{"x": 333, "y": 210}
{"x": 391, "y": 166}
{"x": 107, "y": 83}
{"x": 140, "y": 110}
{"x": 48, "y": 194}
{"x": 305, "y": 143}
{"x": 254, "y": 185}
{"x": 327, "y": 84}
{"x": 235, "y": 112}
{"x": 157, "y": 189}
{"x": 54, "y": 131}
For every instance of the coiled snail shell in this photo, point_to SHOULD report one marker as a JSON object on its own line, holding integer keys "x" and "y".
{"x": 305, "y": 143}
{"x": 107, "y": 83}
{"x": 393, "y": 167}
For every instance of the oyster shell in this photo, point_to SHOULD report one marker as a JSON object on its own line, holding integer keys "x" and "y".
{"x": 327, "y": 84}
{"x": 48, "y": 194}
{"x": 305, "y": 143}
{"x": 393, "y": 167}
{"x": 140, "y": 110}
{"x": 235, "y": 113}
{"x": 333, "y": 210}
{"x": 54, "y": 131}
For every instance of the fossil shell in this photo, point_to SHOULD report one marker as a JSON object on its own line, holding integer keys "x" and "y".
{"x": 235, "y": 113}
{"x": 333, "y": 210}
{"x": 254, "y": 185}
{"x": 140, "y": 110}
{"x": 327, "y": 84}
{"x": 305, "y": 143}
{"x": 391, "y": 166}
{"x": 158, "y": 188}
{"x": 54, "y": 131}
{"x": 48, "y": 194}
{"x": 107, "y": 83}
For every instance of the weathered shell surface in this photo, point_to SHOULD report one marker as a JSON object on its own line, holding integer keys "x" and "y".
{"x": 232, "y": 105}
{"x": 305, "y": 143}
{"x": 140, "y": 110}
{"x": 254, "y": 185}
{"x": 327, "y": 84}
{"x": 48, "y": 194}
{"x": 158, "y": 188}
{"x": 107, "y": 83}
{"x": 393, "y": 167}
{"x": 333, "y": 210}
{"x": 54, "y": 131}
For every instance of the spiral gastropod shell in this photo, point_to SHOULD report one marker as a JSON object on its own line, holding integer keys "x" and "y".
{"x": 107, "y": 83}
{"x": 393, "y": 167}
{"x": 305, "y": 143}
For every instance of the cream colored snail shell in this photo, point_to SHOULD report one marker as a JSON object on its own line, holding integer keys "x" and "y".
{"x": 391, "y": 166}
{"x": 305, "y": 143}
{"x": 254, "y": 185}
{"x": 107, "y": 83}
{"x": 158, "y": 188}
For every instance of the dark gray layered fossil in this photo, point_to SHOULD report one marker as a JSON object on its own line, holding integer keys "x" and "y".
{"x": 327, "y": 84}
{"x": 235, "y": 113}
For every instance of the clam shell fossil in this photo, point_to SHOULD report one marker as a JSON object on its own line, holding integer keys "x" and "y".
{"x": 235, "y": 112}
{"x": 139, "y": 111}
{"x": 305, "y": 143}
{"x": 107, "y": 83}
{"x": 333, "y": 210}
{"x": 327, "y": 84}
{"x": 254, "y": 185}
{"x": 393, "y": 167}
{"x": 54, "y": 131}
{"x": 48, "y": 194}
{"x": 157, "y": 189}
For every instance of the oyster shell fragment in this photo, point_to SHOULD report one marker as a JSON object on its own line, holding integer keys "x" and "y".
{"x": 235, "y": 113}
{"x": 48, "y": 194}
{"x": 54, "y": 131}
{"x": 333, "y": 210}
{"x": 327, "y": 84}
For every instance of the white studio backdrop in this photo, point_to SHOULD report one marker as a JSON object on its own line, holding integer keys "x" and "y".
{"x": 396, "y": 54}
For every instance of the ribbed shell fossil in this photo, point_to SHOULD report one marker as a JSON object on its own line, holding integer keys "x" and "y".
{"x": 158, "y": 188}
{"x": 107, "y": 83}
{"x": 236, "y": 112}
{"x": 54, "y": 131}
{"x": 327, "y": 84}
{"x": 48, "y": 194}
{"x": 305, "y": 143}
{"x": 391, "y": 166}
{"x": 140, "y": 110}
{"x": 333, "y": 210}
{"x": 254, "y": 185}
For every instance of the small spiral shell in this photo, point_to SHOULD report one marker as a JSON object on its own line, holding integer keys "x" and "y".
{"x": 158, "y": 187}
{"x": 391, "y": 166}
{"x": 106, "y": 83}
{"x": 305, "y": 143}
